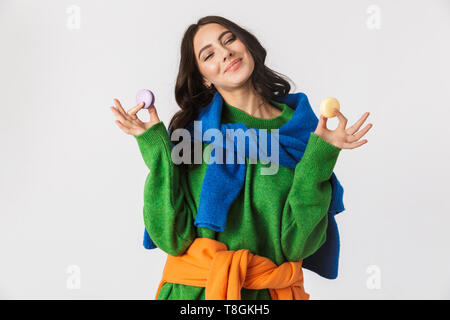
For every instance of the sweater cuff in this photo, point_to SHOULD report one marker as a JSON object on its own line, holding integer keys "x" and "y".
{"x": 153, "y": 142}
{"x": 324, "y": 146}
{"x": 319, "y": 157}
{"x": 152, "y": 135}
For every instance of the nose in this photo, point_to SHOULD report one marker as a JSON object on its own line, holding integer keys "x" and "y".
{"x": 228, "y": 54}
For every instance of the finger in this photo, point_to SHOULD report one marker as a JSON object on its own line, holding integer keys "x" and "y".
{"x": 358, "y": 124}
{"x": 342, "y": 119}
{"x": 134, "y": 110}
{"x": 354, "y": 145}
{"x": 323, "y": 122}
{"x": 361, "y": 133}
{"x": 119, "y": 106}
{"x": 123, "y": 127}
{"x": 118, "y": 114}
{"x": 153, "y": 113}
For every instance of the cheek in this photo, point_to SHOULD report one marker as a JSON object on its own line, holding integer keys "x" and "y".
{"x": 210, "y": 69}
{"x": 241, "y": 48}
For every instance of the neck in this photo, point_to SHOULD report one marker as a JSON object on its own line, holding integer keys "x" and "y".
{"x": 248, "y": 100}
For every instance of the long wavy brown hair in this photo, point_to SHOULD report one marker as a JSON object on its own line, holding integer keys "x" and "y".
{"x": 190, "y": 92}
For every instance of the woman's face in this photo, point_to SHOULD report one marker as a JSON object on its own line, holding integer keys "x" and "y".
{"x": 215, "y": 47}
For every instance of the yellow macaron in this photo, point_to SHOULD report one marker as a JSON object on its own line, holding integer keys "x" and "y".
{"x": 327, "y": 105}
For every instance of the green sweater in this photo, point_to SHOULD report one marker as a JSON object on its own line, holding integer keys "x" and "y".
{"x": 282, "y": 217}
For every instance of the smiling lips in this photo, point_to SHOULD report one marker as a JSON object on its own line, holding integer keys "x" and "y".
{"x": 233, "y": 65}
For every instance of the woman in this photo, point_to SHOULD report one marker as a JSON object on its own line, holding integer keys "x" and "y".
{"x": 275, "y": 221}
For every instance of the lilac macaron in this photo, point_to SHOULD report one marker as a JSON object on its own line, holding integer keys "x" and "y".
{"x": 145, "y": 96}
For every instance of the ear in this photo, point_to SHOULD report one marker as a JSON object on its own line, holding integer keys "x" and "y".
{"x": 206, "y": 83}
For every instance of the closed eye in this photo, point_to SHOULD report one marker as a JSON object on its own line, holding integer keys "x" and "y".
{"x": 230, "y": 40}
{"x": 226, "y": 42}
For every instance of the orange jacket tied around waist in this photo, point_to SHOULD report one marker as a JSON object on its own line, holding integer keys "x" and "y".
{"x": 207, "y": 263}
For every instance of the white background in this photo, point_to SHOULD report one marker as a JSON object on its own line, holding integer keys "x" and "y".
{"x": 71, "y": 187}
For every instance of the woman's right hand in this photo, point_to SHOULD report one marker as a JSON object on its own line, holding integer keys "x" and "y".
{"x": 129, "y": 122}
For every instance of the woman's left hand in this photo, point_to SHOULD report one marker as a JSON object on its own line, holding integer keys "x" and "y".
{"x": 340, "y": 137}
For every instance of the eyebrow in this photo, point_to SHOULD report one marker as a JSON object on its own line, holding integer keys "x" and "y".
{"x": 209, "y": 45}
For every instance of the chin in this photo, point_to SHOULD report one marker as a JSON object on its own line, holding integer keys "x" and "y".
{"x": 239, "y": 84}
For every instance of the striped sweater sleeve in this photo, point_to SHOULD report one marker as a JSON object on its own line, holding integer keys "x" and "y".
{"x": 167, "y": 219}
{"x": 305, "y": 219}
